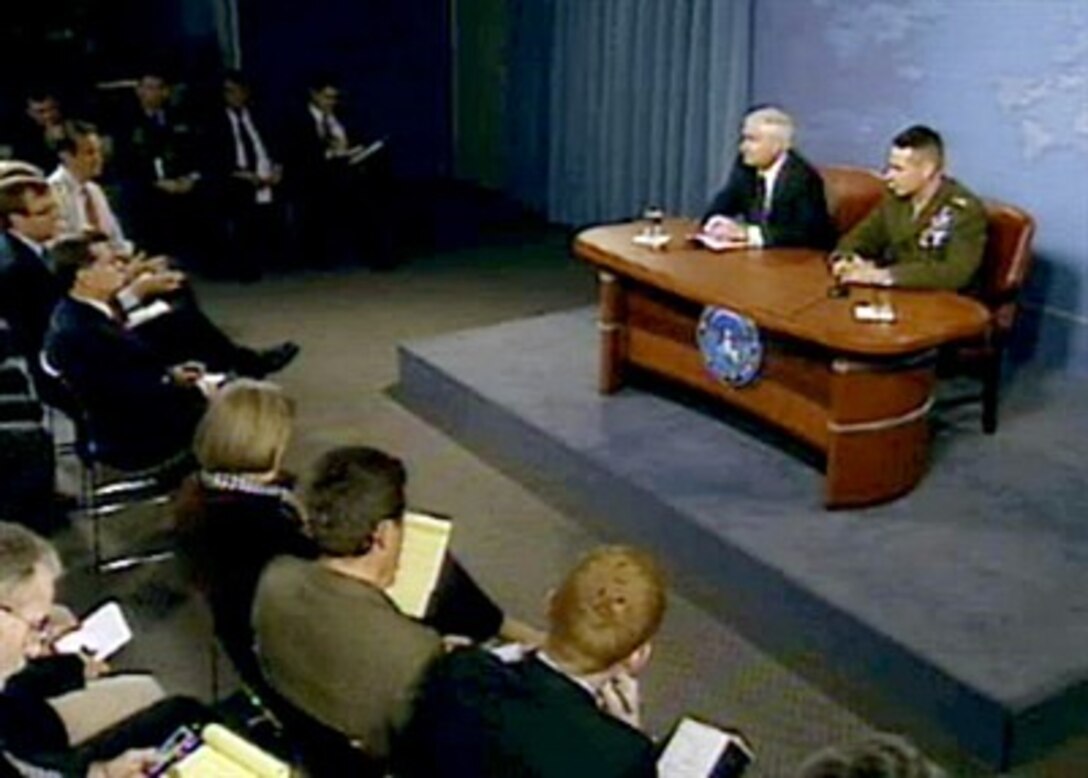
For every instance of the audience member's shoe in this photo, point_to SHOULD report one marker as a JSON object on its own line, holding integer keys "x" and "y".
{"x": 274, "y": 359}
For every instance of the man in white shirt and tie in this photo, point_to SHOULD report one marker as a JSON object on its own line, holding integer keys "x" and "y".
{"x": 344, "y": 189}
{"x": 82, "y": 204}
{"x": 246, "y": 179}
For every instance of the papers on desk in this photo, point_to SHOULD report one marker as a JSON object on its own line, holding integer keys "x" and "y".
{"x": 102, "y": 634}
{"x": 423, "y": 551}
{"x": 699, "y": 750}
{"x": 878, "y": 313}
{"x": 714, "y": 243}
{"x": 652, "y": 240}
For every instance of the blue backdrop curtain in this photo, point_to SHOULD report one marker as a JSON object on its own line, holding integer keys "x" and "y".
{"x": 616, "y": 104}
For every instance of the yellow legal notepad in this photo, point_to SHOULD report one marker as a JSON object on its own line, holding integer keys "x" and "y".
{"x": 426, "y": 540}
{"x": 226, "y": 755}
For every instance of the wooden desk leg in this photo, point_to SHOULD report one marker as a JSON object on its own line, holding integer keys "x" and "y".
{"x": 878, "y": 434}
{"x": 613, "y": 335}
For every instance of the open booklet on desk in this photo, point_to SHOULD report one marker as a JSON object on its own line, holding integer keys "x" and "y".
{"x": 423, "y": 551}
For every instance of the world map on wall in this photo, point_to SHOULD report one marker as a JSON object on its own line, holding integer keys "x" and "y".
{"x": 1046, "y": 102}
{"x": 1051, "y": 108}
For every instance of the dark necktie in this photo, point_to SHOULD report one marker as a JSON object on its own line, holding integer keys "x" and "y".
{"x": 326, "y": 130}
{"x": 249, "y": 148}
{"x": 761, "y": 211}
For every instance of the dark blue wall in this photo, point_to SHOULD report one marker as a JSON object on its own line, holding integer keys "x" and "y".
{"x": 393, "y": 59}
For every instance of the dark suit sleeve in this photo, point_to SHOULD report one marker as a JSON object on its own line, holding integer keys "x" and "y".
{"x": 128, "y": 374}
{"x": 28, "y": 293}
{"x": 139, "y": 415}
{"x": 49, "y": 676}
{"x": 799, "y": 215}
{"x": 732, "y": 200}
{"x": 29, "y": 726}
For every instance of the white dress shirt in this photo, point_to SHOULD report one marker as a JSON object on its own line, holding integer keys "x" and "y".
{"x": 328, "y": 123}
{"x": 72, "y": 195}
{"x": 262, "y": 165}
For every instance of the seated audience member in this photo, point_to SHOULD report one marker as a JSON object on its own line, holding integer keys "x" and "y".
{"x": 82, "y": 204}
{"x": 43, "y": 121}
{"x": 929, "y": 231}
{"x": 773, "y": 196}
{"x": 330, "y": 640}
{"x": 246, "y": 180}
{"x": 140, "y": 411}
{"x": 570, "y": 708}
{"x": 29, "y": 291}
{"x": 158, "y": 169}
{"x": 239, "y": 511}
{"x": 343, "y": 204}
{"x": 881, "y": 755}
{"x": 50, "y": 714}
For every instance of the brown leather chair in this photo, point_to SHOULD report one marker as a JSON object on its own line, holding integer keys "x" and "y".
{"x": 851, "y": 193}
{"x": 1005, "y": 267}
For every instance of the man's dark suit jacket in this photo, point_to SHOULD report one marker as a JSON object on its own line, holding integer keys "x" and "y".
{"x": 798, "y": 215}
{"x": 137, "y": 416}
{"x": 23, "y": 713}
{"x": 478, "y": 716}
{"x": 141, "y": 140}
{"x": 219, "y": 160}
{"x": 28, "y": 724}
{"x": 28, "y": 292}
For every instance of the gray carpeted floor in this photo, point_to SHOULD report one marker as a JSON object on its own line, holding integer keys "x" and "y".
{"x": 349, "y": 323}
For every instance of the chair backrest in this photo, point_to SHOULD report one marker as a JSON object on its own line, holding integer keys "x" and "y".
{"x": 851, "y": 193}
{"x": 1006, "y": 261}
{"x": 54, "y": 390}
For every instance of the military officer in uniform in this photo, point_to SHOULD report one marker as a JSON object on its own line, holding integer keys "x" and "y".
{"x": 928, "y": 232}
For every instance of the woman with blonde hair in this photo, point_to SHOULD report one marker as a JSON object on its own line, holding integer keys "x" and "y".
{"x": 238, "y": 512}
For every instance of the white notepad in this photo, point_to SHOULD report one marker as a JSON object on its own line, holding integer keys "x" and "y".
{"x": 101, "y": 634}
{"x": 699, "y": 750}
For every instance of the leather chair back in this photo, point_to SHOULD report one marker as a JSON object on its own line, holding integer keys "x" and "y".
{"x": 851, "y": 193}
{"x": 1006, "y": 262}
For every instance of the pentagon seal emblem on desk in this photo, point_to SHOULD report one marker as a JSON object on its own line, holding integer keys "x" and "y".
{"x": 730, "y": 345}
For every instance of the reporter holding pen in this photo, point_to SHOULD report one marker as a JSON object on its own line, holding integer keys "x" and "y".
{"x": 569, "y": 708}
{"x": 51, "y": 716}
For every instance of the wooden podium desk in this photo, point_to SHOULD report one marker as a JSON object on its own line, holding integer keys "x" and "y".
{"x": 859, "y": 392}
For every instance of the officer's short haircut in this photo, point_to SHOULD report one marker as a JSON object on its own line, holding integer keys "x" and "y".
{"x": 923, "y": 139}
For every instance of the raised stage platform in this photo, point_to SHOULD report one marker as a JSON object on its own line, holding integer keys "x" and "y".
{"x": 962, "y": 607}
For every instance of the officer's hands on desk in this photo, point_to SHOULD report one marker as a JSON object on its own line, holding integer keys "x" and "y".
{"x": 853, "y": 269}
